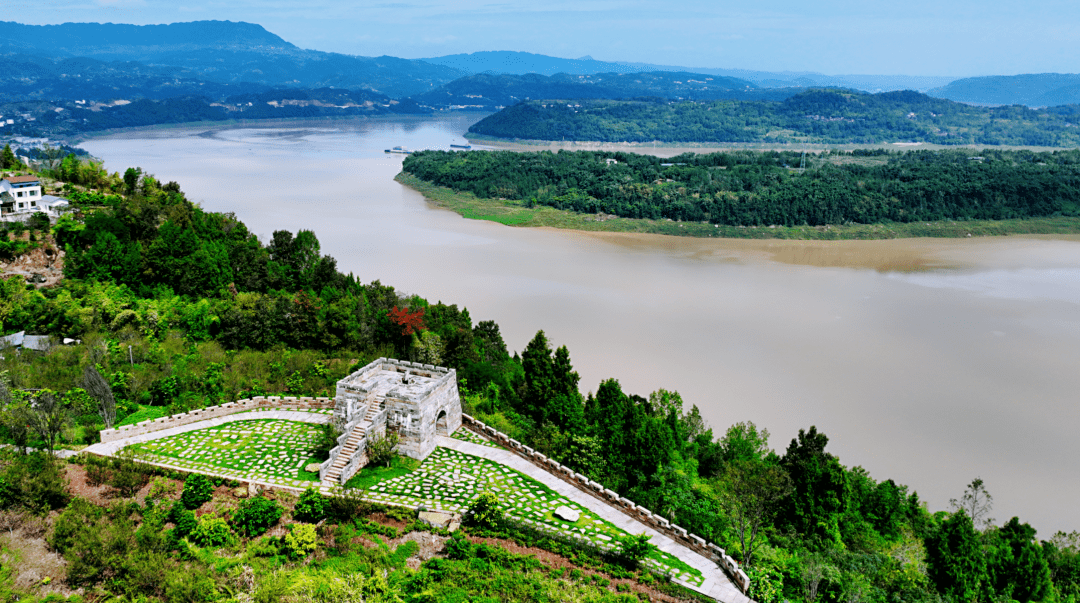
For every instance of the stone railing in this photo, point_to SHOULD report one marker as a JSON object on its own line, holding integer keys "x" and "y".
{"x": 213, "y": 412}
{"x": 359, "y": 459}
{"x": 677, "y": 533}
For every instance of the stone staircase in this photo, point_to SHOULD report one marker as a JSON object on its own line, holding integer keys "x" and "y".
{"x": 355, "y": 442}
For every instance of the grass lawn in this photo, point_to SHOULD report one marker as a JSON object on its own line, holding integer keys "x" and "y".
{"x": 264, "y": 449}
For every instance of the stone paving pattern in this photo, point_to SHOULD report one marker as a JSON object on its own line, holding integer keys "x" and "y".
{"x": 467, "y": 435}
{"x": 262, "y": 448}
{"x": 264, "y": 477}
{"x": 450, "y": 481}
{"x": 716, "y": 583}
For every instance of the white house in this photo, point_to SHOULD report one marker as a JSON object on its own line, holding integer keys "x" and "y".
{"x": 19, "y": 194}
{"x": 22, "y": 195}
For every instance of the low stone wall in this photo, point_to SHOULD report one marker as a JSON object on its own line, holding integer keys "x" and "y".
{"x": 679, "y": 534}
{"x": 213, "y": 412}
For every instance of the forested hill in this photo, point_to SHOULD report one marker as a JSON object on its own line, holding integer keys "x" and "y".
{"x": 177, "y": 309}
{"x": 747, "y": 188}
{"x": 820, "y": 116}
{"x": 492, "y": 92}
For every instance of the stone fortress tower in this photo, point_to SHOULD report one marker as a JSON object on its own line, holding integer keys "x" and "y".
{"x": 416, "y": 401}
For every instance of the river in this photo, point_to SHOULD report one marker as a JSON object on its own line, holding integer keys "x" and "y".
{"x": 930, "y": 362}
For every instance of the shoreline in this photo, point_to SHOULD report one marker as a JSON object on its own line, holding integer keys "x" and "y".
{"x": 514, "y": 213}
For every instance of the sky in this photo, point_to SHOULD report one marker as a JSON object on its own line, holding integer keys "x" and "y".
{"x": 915, "y": 37}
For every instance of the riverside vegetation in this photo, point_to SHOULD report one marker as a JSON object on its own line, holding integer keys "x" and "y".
{"x": 211, "y": 314}
{"x": 869, "y": 193}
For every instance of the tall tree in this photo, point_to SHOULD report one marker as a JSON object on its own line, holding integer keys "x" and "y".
{"x": 750, "y": 491}
{"x": 98, "y": 389}
{"x": 820, "y": 493}
{"x": 48, "y": 417}
{"x": 976, "y": 502}
{"x": 956, "y": 564}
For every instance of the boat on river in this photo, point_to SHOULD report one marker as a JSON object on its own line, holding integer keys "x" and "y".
{"x": 401, "y": 150}
{"x": 461, "y": 146}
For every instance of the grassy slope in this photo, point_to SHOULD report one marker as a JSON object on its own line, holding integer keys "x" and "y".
{"x": 514, "y": 213}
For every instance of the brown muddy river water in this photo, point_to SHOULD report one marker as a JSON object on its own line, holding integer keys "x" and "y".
{"x": 931, "y": 362}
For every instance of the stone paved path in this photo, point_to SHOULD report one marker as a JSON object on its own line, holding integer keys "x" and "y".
{"x": 717, "y": 585}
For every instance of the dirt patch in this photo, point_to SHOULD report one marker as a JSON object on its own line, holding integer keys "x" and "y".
{"x": 431, "y": 545}
{"x": 37, "y": 570}
{"x": 43, "y": 266}
{"x": 104, "y": 495}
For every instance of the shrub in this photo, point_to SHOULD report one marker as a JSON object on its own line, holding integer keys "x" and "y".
{"x": 635, "y": 549}
{"x": 347, "y": 504}
{"x": 485, "y": 512}
{"x": 197, "y": 490}
{"x": 301, "y": 541}
{"x": 211, "y": 530}
{"x": 182, "y": 518}
{"x": 311, "y": 506}
{"x": 381, "y": 448}
{"x": 458, "y": 547}
{"x": 256, "y": 515}
{"x": 128, "y": 475}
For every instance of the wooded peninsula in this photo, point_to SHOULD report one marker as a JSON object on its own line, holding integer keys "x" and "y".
{"x": 758, "y": 194}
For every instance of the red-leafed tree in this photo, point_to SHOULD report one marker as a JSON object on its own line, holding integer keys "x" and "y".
{"x": 410, "y": 322}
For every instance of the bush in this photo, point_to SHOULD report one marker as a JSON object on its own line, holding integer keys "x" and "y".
{"x": 458, "y": 547}
{"x": 256, "y": 515}
{"x": 347, "y": 504}
{"x": 381, "y": 448}
{"x": 485, "y": 512}
{"x": 197, "y": 490}
{"x": 211, "y": 530}
{"x": 34, "y": 482}
{"x": 311, "y": 506}
{"x": 301, "y": 541}
{"x": 635, "y": 549}
{"x": 183, "y": 519}
{"x": 129, "y": 475}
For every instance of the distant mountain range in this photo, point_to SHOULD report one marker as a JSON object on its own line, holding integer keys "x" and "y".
{"x": 221, "y": 59}
{"x": 1033, "y": 90}
{"x": 520, "y": 63}
{"x": 490, "y": 91}
{"x": 223, "y": 52}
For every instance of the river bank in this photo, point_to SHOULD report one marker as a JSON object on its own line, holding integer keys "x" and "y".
{"x": 516, "y": 213}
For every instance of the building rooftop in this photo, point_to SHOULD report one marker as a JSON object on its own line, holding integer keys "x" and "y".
{"x": 395, "y": 379}
{"x": 22, "y": 179}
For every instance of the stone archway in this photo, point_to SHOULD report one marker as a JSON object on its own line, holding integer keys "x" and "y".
{"x": 441, "y": 427}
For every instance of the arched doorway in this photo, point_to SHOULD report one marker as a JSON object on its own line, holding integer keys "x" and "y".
{"x": 440, "y": 424}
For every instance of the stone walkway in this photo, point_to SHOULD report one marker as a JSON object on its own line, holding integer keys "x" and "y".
{"x": 717, "y": 585}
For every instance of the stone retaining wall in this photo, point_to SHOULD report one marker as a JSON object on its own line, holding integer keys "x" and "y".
{"x": 679, "y": 534}
{"x": 213, "y": 412}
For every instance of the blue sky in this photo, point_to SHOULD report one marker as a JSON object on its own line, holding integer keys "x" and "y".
{"x": 914, "y": 37}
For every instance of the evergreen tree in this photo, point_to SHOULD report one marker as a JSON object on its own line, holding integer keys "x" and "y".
{"x": 956, "y": 564}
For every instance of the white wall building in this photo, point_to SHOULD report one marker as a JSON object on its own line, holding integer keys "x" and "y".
{"x": 22, "y": 195}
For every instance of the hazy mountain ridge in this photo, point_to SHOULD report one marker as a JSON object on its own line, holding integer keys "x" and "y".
{"x": 1033, "y": 90}
{"x": 488, "y": 91}
{"x": 520, "y": 63}
{"x": 226, "y": 53}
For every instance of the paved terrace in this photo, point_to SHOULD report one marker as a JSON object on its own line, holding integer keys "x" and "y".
{"x": 716, "y": 583}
